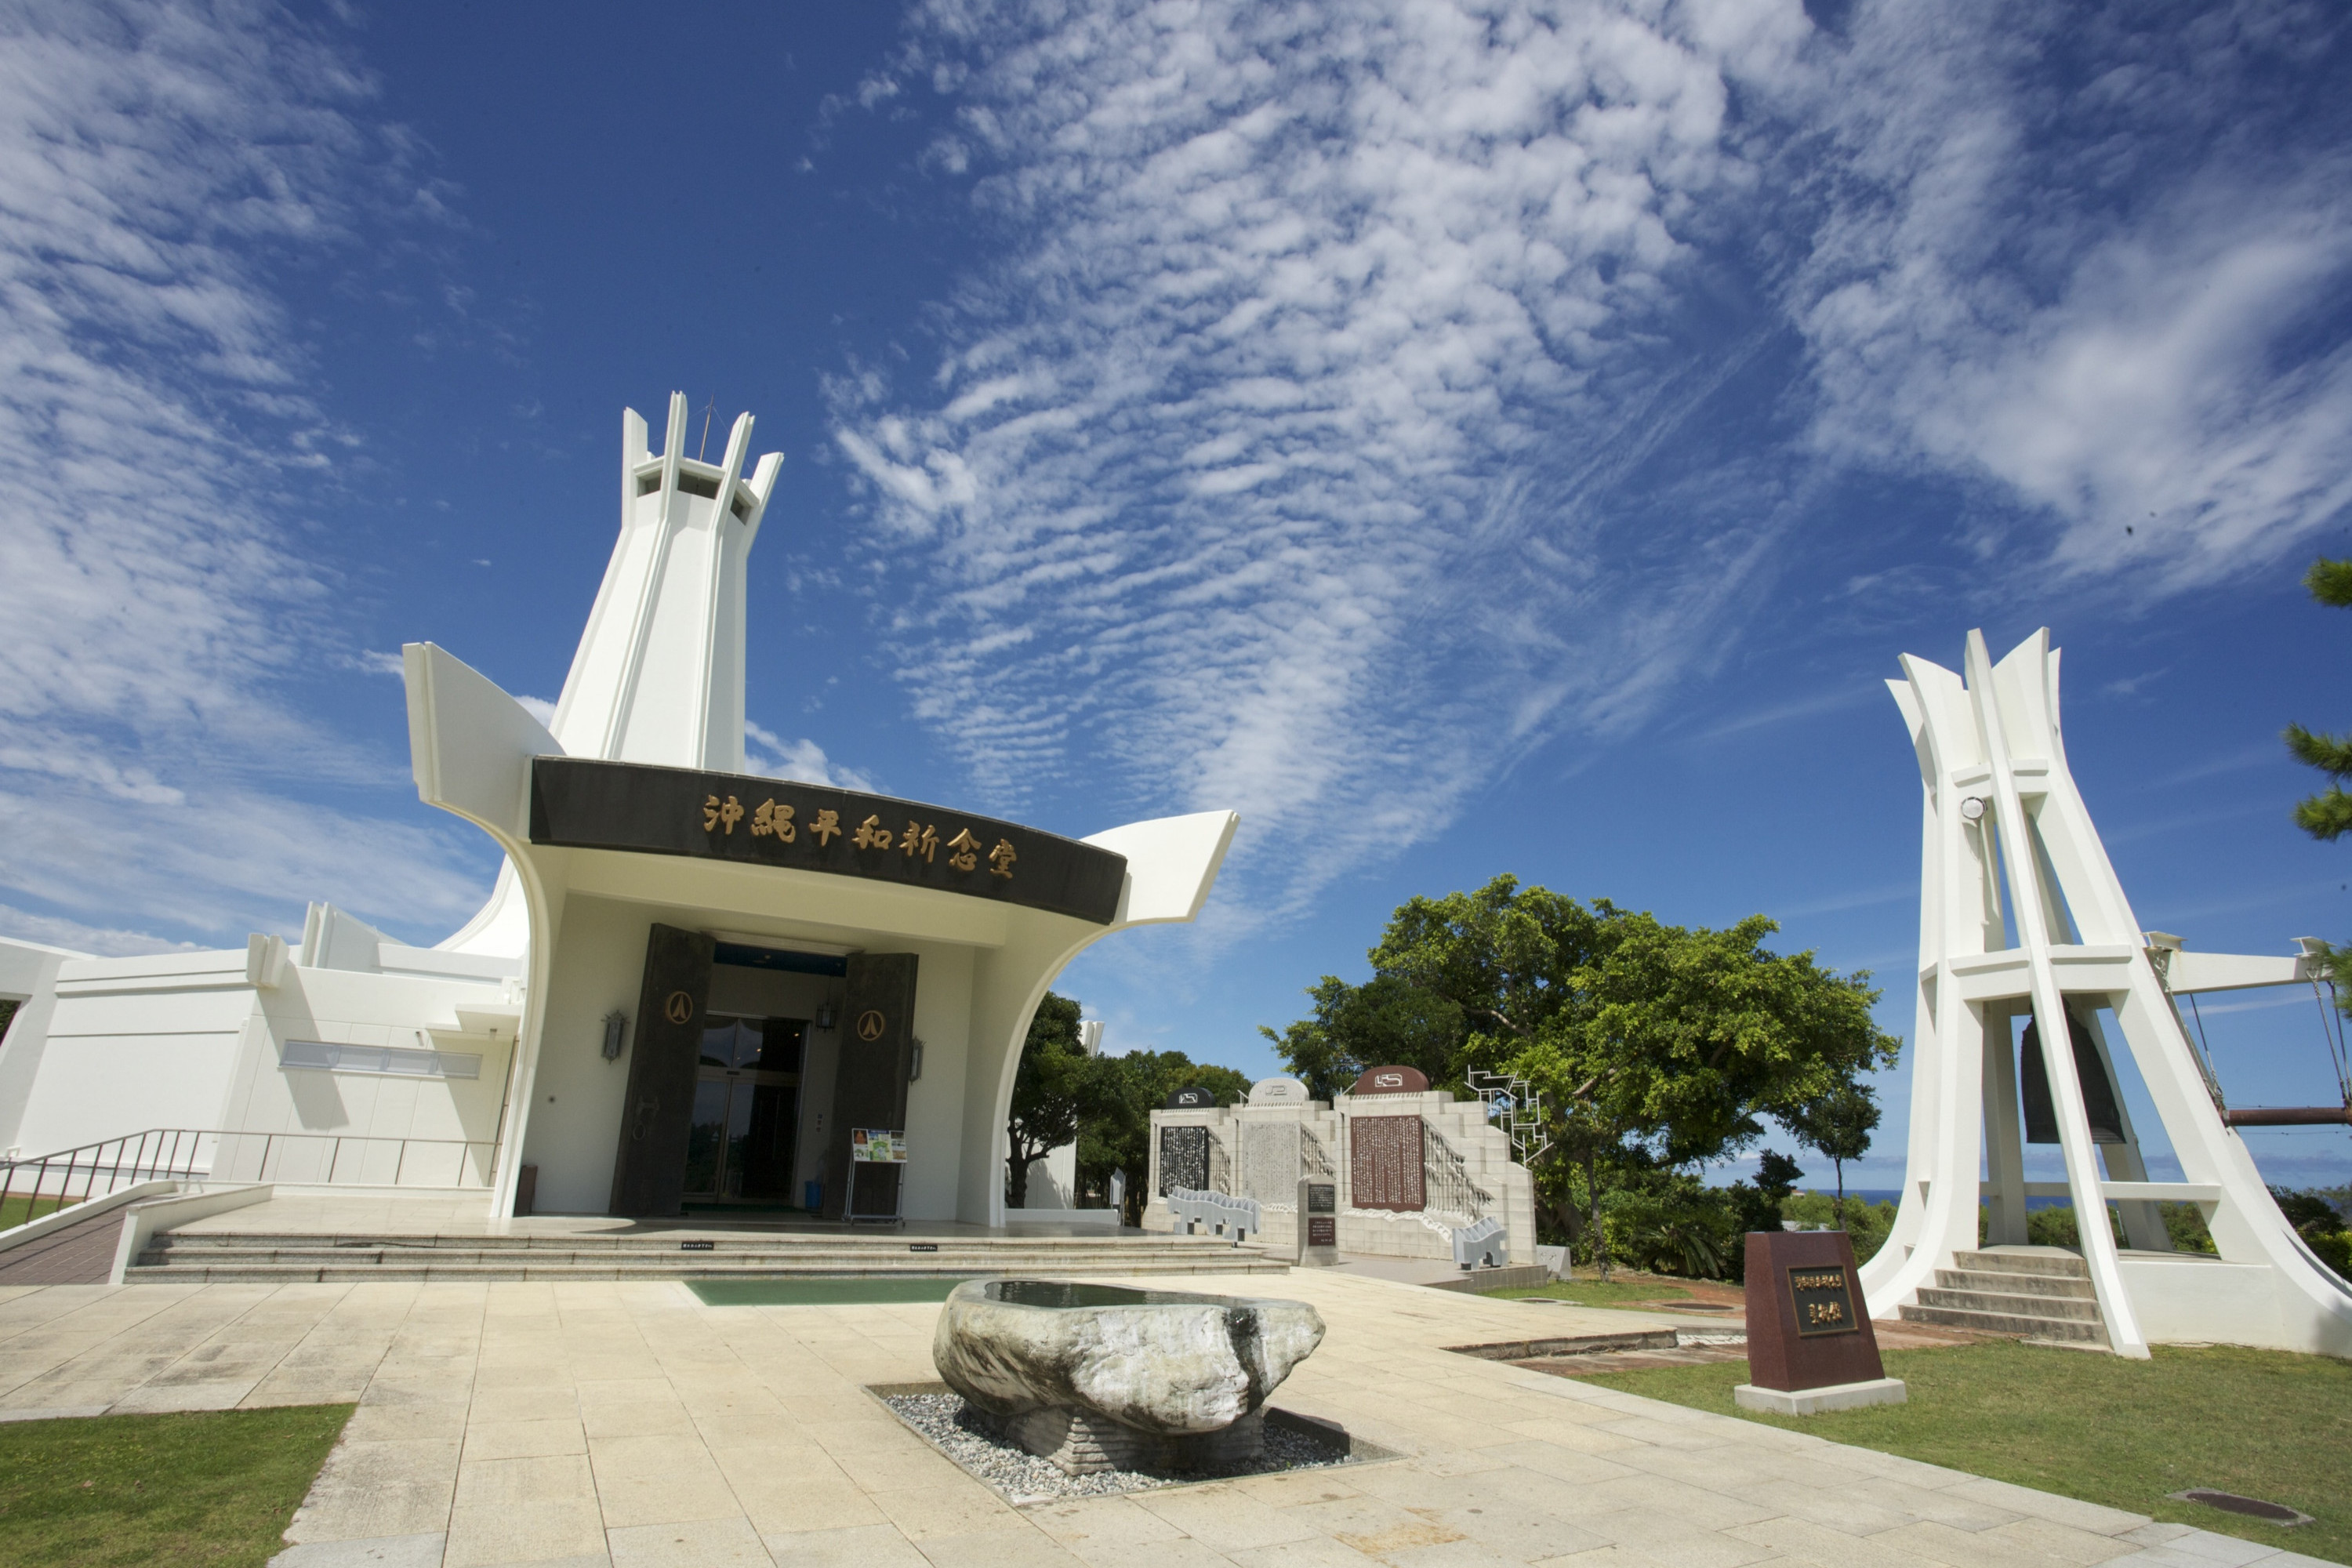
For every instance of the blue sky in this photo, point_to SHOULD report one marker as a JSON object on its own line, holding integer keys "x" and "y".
{"x": 1459, "y": 438}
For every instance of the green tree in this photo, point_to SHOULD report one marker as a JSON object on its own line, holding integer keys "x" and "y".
{"x": 1385, "y": 1022}
{"x": 2328, "y": 815}
{"x": 1055, "y": 1088}
{"x": 1117, "y": 1135}
{"x": 1838, "y": 1127}
{"x": 1658, "y": 1048}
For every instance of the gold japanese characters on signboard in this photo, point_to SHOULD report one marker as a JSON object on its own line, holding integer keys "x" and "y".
{"x": 918, "y": 840}
{"x": 1824, "y": 1302}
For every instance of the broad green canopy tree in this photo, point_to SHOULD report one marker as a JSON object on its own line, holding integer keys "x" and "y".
{"x": 1653, "y": 1046}
{"x": 1053, "y": 1090}
{"x": 1118, "y": 1137}
{"x": 1104, "y": 1104}
{"x": 1385, "y": 1022}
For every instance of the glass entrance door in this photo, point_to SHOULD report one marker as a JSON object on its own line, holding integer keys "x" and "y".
{"x": 745, "y": 1111}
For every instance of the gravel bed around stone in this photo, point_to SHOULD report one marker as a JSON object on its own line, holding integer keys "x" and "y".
{"x": 1023, "y": 1478}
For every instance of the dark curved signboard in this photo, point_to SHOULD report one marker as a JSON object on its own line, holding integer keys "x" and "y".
{"x": 1391, "y": 1080}
{"x": 578, "y": 803}
{"x": 1193, "y": 1099}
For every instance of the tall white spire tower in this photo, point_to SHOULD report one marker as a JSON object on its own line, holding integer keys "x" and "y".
{"x": 659, "y": 677}
{"x": 658, "y": 674}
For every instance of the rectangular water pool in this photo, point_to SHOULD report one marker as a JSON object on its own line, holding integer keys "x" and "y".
{"x": 856, "y": 1291}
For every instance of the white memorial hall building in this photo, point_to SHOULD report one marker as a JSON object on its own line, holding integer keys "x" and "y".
{"x": 690, "y": 985}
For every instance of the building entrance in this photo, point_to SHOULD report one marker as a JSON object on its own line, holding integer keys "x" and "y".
{"x": 741, "y": 1139}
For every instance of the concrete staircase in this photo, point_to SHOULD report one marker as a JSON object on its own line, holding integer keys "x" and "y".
{"x": 2042, "y": 1293}
{"x": 221, "y": 1257}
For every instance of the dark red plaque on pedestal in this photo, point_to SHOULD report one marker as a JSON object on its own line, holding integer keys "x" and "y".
{"x": 1808, "y": 1326}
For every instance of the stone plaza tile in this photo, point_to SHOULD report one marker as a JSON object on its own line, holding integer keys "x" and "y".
{"x": 1668, "y": 1537}
{"x": 2061, "y": 1543}
{"x": 1227, "y": 1520}
{"x": 406, "y": 1423}
{"x": 1584, "y": 1436}
{"x": 637, "y": 1419}
{"x": 2081, "y": 1515}
{"x": 349, "y": 1509}
{"x": 963, "y": 1508}
{"x": 550, "y": 1478}
{"x": 546, "y": 1531}
{"x": 996, "y": 1549}
{"x": 1291, "y": 1488}
{"x": 1513, "y": 1526}
{"x": 1677, "y": 1500}
{"x": 1374, "y": 1526}
{"x": 525, "y": 1402}
{"x": 1559, "y": 1464}
{"x": 849, "y": 1546}
{"x": 160, "y": 1397}
{"x": 1850, "y": 1510}
{"x": 1322, "y": 1552}
{"x": 524, "y": 1439}
{"x": 1094, "y": 1523}
{"x": 672, "y": 1497}
{"x": 785, "y": 1509}
{"x": 1179, "y": 1551}
{"x": 1988, "y": 1547}
{"x": 701, "y": 1543}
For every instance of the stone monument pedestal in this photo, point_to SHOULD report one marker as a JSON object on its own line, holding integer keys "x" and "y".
{"x": 1319, "y": 1224}
{"x": 1101, "y": 1377}
{"x": 1810, "y": 1347}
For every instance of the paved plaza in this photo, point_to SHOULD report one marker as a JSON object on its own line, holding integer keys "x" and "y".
{"x": 627, "y": 1422}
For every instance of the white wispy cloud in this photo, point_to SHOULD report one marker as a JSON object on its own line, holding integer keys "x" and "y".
{"x": 2078, "y": 255}
{"x": 158, "y": 430}
{"x": 1258, "y": 475}
{"x": 803, "y": 761}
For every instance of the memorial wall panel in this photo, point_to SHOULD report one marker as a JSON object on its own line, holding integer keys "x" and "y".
{"x": 1384, "y": 1159}
{"x": 1270, "y": 1161}
{"x": 1183, "y": 1158}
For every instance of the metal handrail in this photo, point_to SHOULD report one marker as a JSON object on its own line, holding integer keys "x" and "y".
{"x": 181, "y": 1153}
{"x": 1447, "y": 1183}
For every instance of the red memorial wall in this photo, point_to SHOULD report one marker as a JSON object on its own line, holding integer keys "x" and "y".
{"x": 1384, "y": 1163}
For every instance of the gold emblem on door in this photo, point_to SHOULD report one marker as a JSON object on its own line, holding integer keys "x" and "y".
{"x": 679, "y": 1008}
{"x": 870, "y": 1025}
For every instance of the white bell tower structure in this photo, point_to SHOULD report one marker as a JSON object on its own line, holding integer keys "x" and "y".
{"x": 2021, "y": 915}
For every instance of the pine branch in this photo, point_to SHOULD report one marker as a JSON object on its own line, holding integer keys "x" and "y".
{"x": 2327, "y": 816}
{"x": 2331, "y": 755}
{"x": 2330, "y": 583}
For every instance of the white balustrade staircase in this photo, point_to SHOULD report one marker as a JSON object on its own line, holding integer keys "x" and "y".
{"x": 2042, "y": 1293}
{"x": 212, "y": 1257}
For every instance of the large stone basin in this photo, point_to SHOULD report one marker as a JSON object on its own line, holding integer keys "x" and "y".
{"x": 1098, "y": 1377}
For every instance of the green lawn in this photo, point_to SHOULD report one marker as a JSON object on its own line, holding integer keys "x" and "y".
{"x": 1593, "y": 1293}
{"x": 2264, "y": 1424}
{"x": 214, "y": 1487}
{"x": 22, "y": 1208}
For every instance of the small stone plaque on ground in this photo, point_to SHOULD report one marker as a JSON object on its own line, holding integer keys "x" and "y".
{"x": 1810, "y": 1346}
